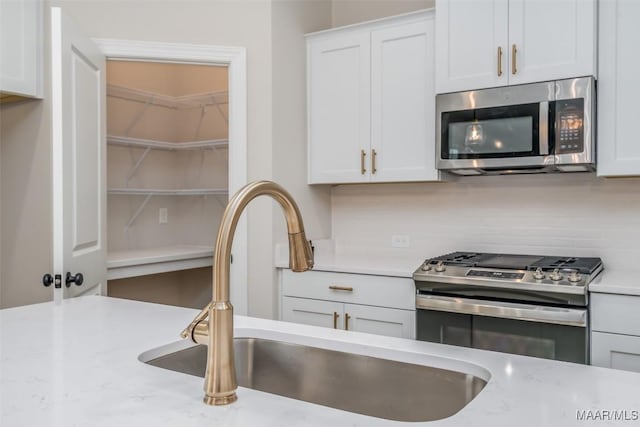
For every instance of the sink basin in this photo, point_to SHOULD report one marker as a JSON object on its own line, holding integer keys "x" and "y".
{"x": 362, "y": 384}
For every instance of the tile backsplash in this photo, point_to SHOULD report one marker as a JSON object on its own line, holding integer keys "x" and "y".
{"x": 560, "y": 214}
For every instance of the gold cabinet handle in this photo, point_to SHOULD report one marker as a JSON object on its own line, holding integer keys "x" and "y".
{"x": 363, "y": 170}
{"x": 514, "y": 52}
{"x": 335, "y": 320}
{"x": 341, "y": 288}
{"x": 373, "y": 161}
{"x": 346, "y": 321}
{"x": 499, "y": 61}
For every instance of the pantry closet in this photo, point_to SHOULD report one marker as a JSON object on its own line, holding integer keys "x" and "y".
{"x": 167, "y": 178}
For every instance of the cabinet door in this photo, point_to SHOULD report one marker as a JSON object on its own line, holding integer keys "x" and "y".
{"x": 379, "y": 320}
{"x": 21, "y": 46}
{"x": 312, "y": 312}
{"x": 403, "y": 103}
{"x": 618, "y": 89}
{"x": 471, "y": 52}
{"x": 551, "y": 39}
{"x": 339, "y": 104}
{"x": 615, "y": 351}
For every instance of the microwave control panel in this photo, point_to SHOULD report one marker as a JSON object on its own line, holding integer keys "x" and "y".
{"x": 569, "y": 126}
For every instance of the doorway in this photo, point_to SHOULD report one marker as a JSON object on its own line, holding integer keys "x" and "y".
{"x": 167, "y": 178}
{"x": 190, "y": 181}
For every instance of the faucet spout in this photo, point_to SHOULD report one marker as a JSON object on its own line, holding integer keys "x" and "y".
{"x": 217, "y": 332}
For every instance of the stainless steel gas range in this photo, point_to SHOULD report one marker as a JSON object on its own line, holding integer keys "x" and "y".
{"x": 522, "y": 304}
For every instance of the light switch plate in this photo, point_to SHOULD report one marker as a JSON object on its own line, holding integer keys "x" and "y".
{"x": 163, "y": 216}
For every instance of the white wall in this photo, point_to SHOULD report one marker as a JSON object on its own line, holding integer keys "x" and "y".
{"x": 290, "y": 21}
{"x": 247, "y": 23}
{"x": 345, "y": 12}
{"x": 562, "y": 214}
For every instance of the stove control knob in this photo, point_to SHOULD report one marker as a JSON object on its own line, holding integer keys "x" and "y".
{"x": 574, "y": 277}
{"x": 555, "y": 275}
{"x": 440, "y": 267}
{"x": 538, "y": 274}
{"x": 425, "y": 266}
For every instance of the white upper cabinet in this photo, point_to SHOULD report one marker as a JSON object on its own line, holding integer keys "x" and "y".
{"x": 338, "y": 114}
{"x": 371, "y": 104}
{"x": 403, "y": 103}
{"x": 618, "y": 91}
{"x": 551, "y": 39}
{"x": 490, "y": 43}
{"x": 472, "y": 40}
{"x": 21, "y": 49}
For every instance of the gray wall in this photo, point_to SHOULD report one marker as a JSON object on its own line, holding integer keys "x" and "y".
{"x": 25, "y": 197}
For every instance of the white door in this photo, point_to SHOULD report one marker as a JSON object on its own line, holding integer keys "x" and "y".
{"x": 312, "y": 312}
{"x": 339, "y": 104}
{"x": 403, "y": 103}
{"x": 618, "y": 91}
{"x": 551, "y": 40}
{"x": 79, "y": 154}
{"x": 615, "y": 351}
{"x": 471, "y": 52}
{"x": 380, "y": 321}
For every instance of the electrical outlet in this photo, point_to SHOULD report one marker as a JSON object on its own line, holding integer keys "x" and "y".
{"x": 163, "y": 216}
{"x": 399, "y": 241}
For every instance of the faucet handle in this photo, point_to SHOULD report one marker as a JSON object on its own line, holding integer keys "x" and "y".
{"x": 187, "y": 333}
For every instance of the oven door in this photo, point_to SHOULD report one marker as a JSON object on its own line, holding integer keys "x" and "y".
{"x": 548, "y": 332}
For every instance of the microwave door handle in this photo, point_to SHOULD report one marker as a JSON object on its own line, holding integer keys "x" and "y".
{"x": 506, "y": 310}
{"x": 543, "y": 133}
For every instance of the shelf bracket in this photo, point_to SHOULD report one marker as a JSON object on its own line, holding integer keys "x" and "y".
{"x": 138, "y": 116}
{"x": 138, "y": 211}
{"x": 135, "y": 167}
{"x": 222, "y": 113}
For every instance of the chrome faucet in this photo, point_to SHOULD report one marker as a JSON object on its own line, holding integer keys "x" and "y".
{"x": 217, "y": 332}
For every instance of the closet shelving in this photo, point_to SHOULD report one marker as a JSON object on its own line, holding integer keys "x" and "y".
{"x": 140, "y": 262}
{"x": 137, "y": 262}
{"x": 214, "y": 98}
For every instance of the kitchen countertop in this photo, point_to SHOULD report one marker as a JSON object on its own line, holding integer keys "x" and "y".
{"x": 616, "y": 282}
{"x": 402, "y": 263}
{"x": 75, "y": 364}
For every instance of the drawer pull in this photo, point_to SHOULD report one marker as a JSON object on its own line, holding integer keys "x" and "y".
{"x": 335, "y": 320}
{"x": 341, "y": 288}
{"x": 346, "y": 321}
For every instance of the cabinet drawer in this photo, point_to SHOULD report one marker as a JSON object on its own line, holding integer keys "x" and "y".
{"x": 615, "y": 351}
{"x": 383, "y": 291}
{"x": 615, "y": 313}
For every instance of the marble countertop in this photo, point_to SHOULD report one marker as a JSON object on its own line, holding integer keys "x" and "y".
{"x": 76, "y": 364}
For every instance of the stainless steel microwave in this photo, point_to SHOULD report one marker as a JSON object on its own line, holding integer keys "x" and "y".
{"x": 538, "y": 127}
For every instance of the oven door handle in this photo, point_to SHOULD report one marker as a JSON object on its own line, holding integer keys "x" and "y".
{"x": 506, "y": 310}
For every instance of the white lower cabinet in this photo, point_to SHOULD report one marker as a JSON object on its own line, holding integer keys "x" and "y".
{"x": 615, "y": 351}
{"x": 355, "y": 302}
{"x": 312, "y": 312}
{"x": 380, "y": 320}
{"x": 615, "y": 331}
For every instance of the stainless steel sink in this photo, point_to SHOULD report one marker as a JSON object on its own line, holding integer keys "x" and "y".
{"x": 365, "y": 385}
